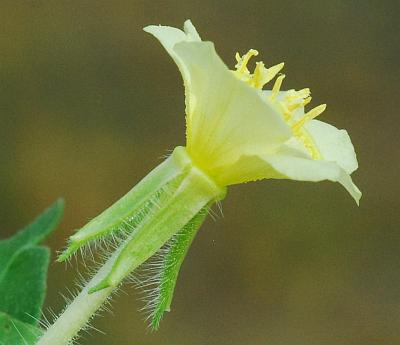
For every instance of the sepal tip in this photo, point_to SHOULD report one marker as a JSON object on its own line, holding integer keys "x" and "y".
{"x": 100, "y": 286}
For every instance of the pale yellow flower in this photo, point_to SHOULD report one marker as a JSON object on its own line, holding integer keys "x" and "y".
{"x": 238, "y": 132}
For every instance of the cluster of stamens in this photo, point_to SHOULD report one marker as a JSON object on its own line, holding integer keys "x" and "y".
{"x": 292, "y": 101}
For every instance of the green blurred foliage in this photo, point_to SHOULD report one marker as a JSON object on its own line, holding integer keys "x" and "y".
{"x": 89, "y": 103}
{"x": 23, "y": 278}
{"x": 16, "y": 332}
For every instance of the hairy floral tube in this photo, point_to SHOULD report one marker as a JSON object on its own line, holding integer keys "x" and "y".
{"x": 172, "y": 196}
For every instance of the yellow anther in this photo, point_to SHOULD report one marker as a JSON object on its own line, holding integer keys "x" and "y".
{"x": 238, "y": 57}
{"x": 292, "y": 100}
{"x": 304, "y": 93}
{"x": 272, "y": 72}
{"x": 312, "y": 114}
{"x": 262, "y": 75}
{"x": 258, "y": 75}
{"x": 294, "y": 96}
{"x": 277, "y": 86}
{"x": 306, "y": 101}
{"x": 242, "y": 61}
{"x": 299, "y": 104}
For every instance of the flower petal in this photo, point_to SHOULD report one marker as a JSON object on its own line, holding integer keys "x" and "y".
{"x": 288, "y": 164}
{"x": 247, "y": 168}
{"x": 226, "y": 118}
{"x": 333, "y": 144}
{"x": 169, "y": 36}
{"x": 302, "y": 169}
{"x": 191, "y": 31}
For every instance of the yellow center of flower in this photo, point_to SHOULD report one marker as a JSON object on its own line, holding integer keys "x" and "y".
{"x": 292, "y": 101}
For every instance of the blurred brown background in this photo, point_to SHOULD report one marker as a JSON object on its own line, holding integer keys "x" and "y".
{"x": 89, "y": 103}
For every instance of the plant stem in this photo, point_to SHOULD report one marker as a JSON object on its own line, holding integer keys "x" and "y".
{"x": 80, "y": 311}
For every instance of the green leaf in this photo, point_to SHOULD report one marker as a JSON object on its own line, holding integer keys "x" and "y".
{"x": 23, "y": 286}
{"x": 33, "y": 234}
{"x": 23, "y": 267}
{"x": 15, "y": 332}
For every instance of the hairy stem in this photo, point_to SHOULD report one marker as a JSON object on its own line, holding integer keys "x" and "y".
{"x": 80, "y": 311}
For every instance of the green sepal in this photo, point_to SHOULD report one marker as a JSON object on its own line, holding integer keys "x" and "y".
{"x": 15, "y": 332}
{"x": 135, "y": 203}
{"x": 178, "y": 247}
{"x": 194, "y": 192}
